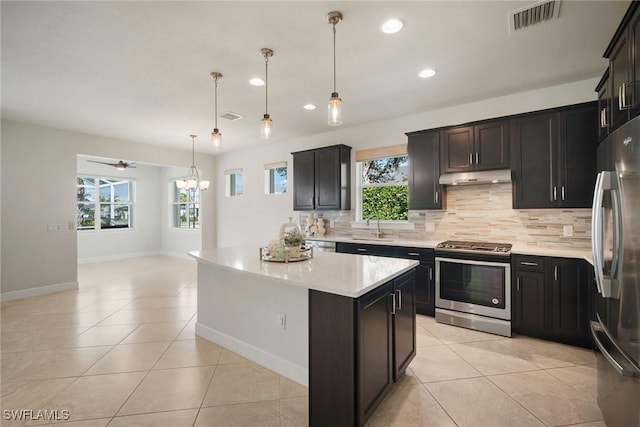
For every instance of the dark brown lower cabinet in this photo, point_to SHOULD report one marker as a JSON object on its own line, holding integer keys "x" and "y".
{"x": 425, "y": 289}
{"x": 404, "y": 323}
{"x": 528, "y": 301}
{"x": 571, "y": 280}
{"x": 357, "y": 348}
{"x": 552, "y": 299}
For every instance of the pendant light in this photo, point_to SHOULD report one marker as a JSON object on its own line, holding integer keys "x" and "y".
{"x": 216, "y": 135}
{"x": 265, "y": 130}
{"x": 193, "y": 177}
{"x": 335, "y": 103}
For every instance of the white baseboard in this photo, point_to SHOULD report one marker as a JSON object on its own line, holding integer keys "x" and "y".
{"x": 119, "y": 257}
{"x": 41, "y": 290}
{"x": 275, "y": 363}
{"x": 182, "y": 255}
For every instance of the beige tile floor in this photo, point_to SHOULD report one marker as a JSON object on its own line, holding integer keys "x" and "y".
{"x": 121, "y": 351}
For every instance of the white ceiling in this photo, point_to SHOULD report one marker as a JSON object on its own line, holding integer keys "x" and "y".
{"x": 139, "y": 71}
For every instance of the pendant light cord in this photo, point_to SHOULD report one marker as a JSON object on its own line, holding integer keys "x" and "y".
{"x": 266, "y": 84}
{"x": 193, "y": 150}
{"x": 334, "y": 57}
{"x": 216, "y": 102}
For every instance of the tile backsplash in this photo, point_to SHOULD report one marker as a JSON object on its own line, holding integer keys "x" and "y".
{"x": 480, "y": 212}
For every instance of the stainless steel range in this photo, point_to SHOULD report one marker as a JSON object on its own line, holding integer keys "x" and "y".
{"x": 473, "y": 285}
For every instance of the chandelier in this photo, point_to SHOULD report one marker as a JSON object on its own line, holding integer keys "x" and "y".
{"x": 193, "y": 180}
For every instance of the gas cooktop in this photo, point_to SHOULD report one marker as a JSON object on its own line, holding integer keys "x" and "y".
{"x": 459, "y": 245}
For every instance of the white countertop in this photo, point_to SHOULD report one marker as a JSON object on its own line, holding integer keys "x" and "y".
{"x": 517, "y": 249}
{"x": 342, "y": 274}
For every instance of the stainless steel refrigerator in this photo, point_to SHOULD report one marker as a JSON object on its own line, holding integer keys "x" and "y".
{"x": 616, "y": 259}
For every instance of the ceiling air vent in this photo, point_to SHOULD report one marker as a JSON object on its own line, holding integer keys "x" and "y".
{"x": 229, "y": 115}
{"x": 534, "y": 14}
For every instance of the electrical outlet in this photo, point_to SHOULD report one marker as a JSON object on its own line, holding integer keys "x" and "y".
{"x": 429, "y": 226}
{"x": 55, "y": 228}
{"x": 282, "y": 320}
{"x": 567, "y": 231}
{"x": 332, "y": 223}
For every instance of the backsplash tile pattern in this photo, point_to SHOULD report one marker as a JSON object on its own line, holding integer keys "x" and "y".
{"x": 480, "y": 212}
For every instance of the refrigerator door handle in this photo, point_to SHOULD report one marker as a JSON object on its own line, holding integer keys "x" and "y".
{"x": 617, "y": 234}
{"x": 622, "y": 367}
{"x": 596, "y": 231}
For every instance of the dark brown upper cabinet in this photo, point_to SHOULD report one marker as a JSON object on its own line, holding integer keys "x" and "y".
{"x": 471, "y": 148}
{"x": 553, "y": 157}
{"x": 425, "y": 191}
{"x": 604, "y": 106}
{"x": 621, "y": 83}
{"x": 322, "y": 179}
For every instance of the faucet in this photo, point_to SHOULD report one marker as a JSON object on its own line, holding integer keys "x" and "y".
{"x": 378, "y": 232}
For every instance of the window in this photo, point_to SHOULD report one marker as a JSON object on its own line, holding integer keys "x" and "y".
{"x": 186, "y": 207}
{"x": 275, "y": 178}
{"x": 111, "y": 198}
{"x": 233, "y": 183}
{"x": 383, "y": 191}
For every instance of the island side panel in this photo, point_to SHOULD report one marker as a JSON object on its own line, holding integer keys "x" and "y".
{"x": 332, "y": 375}
{"x": 240, "y": 312}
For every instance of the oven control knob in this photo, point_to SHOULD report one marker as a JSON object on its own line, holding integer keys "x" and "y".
{"x": 495, "y": 301}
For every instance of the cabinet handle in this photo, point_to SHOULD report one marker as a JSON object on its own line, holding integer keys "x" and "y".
{"x": 555, "y": 272}
{"x": 430, "y": 273}
{"x": 562, "y": 192}
{"x": 399, "y": 291}
{"x": 532, "y": 264}
{"x": 476, "y": 158}
{"x": 413, "y": 254}
{"x": 518, "y": 283}
{"x": 554, "y": 197}
{"x": 605, "y": 110}
{"x": 436, "y": 197}
{"x": 393, "y": 304}
{"x": 361, "y": 249}
{"x": 619, "y": 97}
{"x": 470, "y": 158}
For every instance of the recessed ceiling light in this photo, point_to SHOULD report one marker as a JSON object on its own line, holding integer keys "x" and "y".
{"x": 427, "y": 73}
{"x": 309, "y": 107}
{"x": 392, "y": 26}
{"x": 256, "y": 81}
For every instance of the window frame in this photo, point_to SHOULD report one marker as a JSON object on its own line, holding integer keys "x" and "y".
{"x": 175, "y": 204}
{"x": 97, "y": 203}
{"x": 230, "y": 182}
{"x": 270, "y": 169}
{"x": 377, "y": 154}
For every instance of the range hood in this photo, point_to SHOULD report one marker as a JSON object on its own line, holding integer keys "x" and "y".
{"x": 481, "y": 177}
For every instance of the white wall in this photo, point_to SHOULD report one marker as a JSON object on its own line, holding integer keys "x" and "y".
{"x": 144, "y": 236}
{"x": 254, "y": 218}
{"x": 39, "y": 188}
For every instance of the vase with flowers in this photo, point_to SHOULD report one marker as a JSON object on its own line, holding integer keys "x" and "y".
{"x": 293, "y": 239}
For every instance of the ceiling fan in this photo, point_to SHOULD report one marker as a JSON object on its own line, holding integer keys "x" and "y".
{"x": 120, "y": 165}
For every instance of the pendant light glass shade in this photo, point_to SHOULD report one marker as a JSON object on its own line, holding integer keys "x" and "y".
{"x": 335, "y": 102}
{"x": 193, "y": 180}
{"x": 216, "y": 138}
{"x": 335, "y": 110}
{"x": 265, "y": 129}
{"x": 266, "y": 124}
{"x": 216, "y": 135}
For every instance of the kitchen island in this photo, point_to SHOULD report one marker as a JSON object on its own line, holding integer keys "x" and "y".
{"x": 342, "y": 324}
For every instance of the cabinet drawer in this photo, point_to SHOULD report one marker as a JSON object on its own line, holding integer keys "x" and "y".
{"x": 364, "y": 249}
{"x": 419, "y": 254}
{"x": 529, "y": 262}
